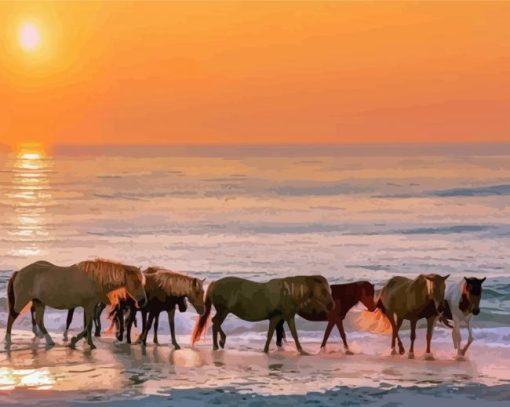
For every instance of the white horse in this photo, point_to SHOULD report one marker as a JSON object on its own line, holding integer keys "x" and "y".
{"x": 463, "y": 301}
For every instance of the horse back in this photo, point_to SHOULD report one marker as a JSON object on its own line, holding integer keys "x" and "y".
{"x": 55, "y": 286}
{"x": 248, "y": 300}
{"x": 404, "y": 297}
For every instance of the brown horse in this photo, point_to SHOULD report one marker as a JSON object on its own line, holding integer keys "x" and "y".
{"x": 402, "y": 298}
{"x": 165, "y": 290}
{"x": 81, "y": 285}
{"x": 345, "y": 296}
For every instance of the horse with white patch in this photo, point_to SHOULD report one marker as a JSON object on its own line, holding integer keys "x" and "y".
{"x": 463, "y": 301}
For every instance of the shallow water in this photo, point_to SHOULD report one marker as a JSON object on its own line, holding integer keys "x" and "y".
{"x": 347, "y": 213}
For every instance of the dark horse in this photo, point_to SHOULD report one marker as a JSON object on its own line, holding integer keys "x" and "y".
{"x": 165, "y": 290}
{"x": 345, "y": 296}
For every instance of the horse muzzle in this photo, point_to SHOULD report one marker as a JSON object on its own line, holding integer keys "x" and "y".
{"x": 141, "y": 302}
{"x": 476, "y": 311}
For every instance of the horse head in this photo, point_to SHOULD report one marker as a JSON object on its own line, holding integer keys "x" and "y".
{"x": 471, "y": 294}
{"x": 435, "y": 290}
{"x": 366, "y": 296}
{"x": 196, "y": 295}
{"x": 135, "y": 285}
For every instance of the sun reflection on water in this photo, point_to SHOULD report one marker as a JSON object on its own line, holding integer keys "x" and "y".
{"x": 30, "y": 196}
{"x": 41, "y": 379}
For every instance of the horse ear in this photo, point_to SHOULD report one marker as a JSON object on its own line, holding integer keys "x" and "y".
{"x": 203, "y": 280}
{"x": 483, "y": 279}
{"x": 467, "y": 279}
{"x": 445, "y": 277}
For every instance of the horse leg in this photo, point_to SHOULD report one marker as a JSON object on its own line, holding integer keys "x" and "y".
{"x": 216, "y": 328}
{"x": 89, "y": 320}
{"x": 69, "y": 319}
{"x": 292, "y": 326}
{"x": 413, "y": 337}
{"x": 340, "y": 326}
{"x": 394, "y": 333}
{"x": 39, "y": 318}
{"x": 430, "y": 329}
{"x": 32, "y": 315}
{"x": 272, "y": 326}
{"x": 130, "y": 321}
{"x": 156, "y": 326}
{"x": 82, "y": 334}
{"x": 330, "y": 326}
{"x": 470, "y": 339}
{"x": 401, "y": 349}
{"x": 97, "y": 318}
{"x": 119, "y": 322}
{"x": 10, "y": 321}
{"x": 171, "y": 322}
{"x": 37, "y": 333}
{"x": 144, "y": 324}
{"x": 456, "y": 337}
{"x": 280, "y": 333}
{"x": 143, "y": 336}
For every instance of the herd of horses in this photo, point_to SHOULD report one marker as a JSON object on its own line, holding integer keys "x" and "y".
{"x": 95, "y": 284}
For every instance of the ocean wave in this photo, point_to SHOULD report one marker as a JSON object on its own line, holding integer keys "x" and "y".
{"x": 491, "y": 190}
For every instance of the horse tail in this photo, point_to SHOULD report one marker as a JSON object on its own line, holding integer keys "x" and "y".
{"x": 201, "y": 323}
{"x": 445, "y": 321}
{"x": 11, "y": 298}
{"x": 376, "y": 321}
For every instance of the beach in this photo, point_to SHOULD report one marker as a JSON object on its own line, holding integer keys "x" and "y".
{"x": 357, "y": 213}
{"x": 126, "y": 374}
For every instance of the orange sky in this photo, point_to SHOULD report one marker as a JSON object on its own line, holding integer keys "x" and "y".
{"x": 256, "y": 72}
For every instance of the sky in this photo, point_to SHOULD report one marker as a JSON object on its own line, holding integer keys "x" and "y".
{"x": 255, "y": 72}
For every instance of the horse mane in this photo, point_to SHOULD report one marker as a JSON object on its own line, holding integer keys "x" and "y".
{"x": 297, "y": 289}
{"x": 109, "y": 276}
{"x": 172, "y": 283}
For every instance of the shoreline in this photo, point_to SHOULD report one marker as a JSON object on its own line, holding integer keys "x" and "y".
{"x": 122, "y": 374}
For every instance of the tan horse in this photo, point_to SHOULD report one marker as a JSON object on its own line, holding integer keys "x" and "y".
{"x": 81, "y": 285}
{"x": 402, "y": 298}
{"x": 277, "y": 299}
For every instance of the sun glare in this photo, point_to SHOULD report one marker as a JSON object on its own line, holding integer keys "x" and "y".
{"x": 30, "y": 156}
{"x": 29, "y": 37}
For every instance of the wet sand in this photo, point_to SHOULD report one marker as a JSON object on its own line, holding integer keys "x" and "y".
{"x": 30, "y": 374}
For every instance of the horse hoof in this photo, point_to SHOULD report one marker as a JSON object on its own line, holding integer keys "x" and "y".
{"x": 177, "y": 347}
{"x": 401, "y": 351}
{"x": 393, "y": 352}
{"x": 428, "y": 356}
{"x": 97, "y": 334}
{"x": 460, "y": 358}
{"x": 303, "y": 353}
{"x": 411, "y": 355}
{"x": 92, "y": 346}
{"x": 222, "y": 344}
{"x": 348, "y": 352}
{"x": 322, "y": 349}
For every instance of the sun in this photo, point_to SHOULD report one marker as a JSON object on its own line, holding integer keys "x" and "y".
{"x": 29, "y": 37}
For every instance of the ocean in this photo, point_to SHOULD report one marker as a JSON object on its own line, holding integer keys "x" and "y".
{"x": 357, "y": 212}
